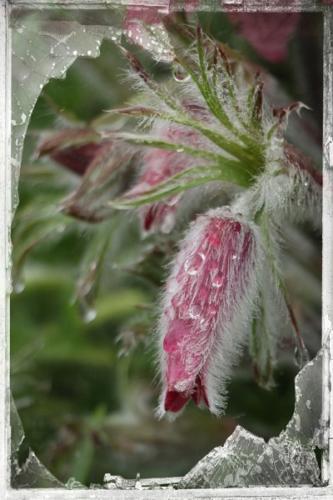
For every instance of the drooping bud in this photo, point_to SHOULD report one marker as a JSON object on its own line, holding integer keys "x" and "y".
{"x": 208, "y": 304}
{"x": 75, "y": 149}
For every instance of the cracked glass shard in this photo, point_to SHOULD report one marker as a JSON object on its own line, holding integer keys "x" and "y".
{"x": 32, "y": 473}
{"x": 42, "y": 50}
{"x": 29, "y": 472}
{"x": 289, "y": 459}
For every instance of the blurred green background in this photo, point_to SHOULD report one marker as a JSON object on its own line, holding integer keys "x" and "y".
{"x": 82, "y": 371}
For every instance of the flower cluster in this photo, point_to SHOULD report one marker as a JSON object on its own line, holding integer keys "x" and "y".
{"x": 209, "y": 129}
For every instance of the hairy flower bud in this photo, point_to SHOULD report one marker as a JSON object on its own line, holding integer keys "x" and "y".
{"x": 208, "y": 304}
{"x": 76, "y": 149}
{"x": 158, "y": 166}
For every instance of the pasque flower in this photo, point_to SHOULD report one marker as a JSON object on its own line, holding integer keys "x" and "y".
{"x": 225, "y": 289}
{"x": 208, "y": 303}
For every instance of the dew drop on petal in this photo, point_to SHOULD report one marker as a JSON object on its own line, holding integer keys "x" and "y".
{"x": 217, "y": 282}
{"x": 180, "y": 75}
{"x": 193, "y": 264}
{"x": 194, "y": 311}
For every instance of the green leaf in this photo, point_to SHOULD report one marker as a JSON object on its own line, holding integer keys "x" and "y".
{"x": 207, "y": 89}
{"x": 188, "y": 179}
{"x": 237, "y": 150}
{"x": 37, "y": 223}
{"x": 153, "y": 142}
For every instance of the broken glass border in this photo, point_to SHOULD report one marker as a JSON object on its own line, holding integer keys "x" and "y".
{"x": 6, "y": 211}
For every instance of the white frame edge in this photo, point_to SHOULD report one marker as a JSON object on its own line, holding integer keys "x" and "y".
{"x": 274, "y": 493}
{"x": 327, "y": 258}
{"x": 5, "y": 216}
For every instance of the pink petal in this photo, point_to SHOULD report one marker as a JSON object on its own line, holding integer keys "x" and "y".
{"x": 175, "y": 401}
{"x": 77, "y": 158}
{"x": 74, "y": 148}
{"x": 158, "y": 166}
{"x": 203, "y": 292}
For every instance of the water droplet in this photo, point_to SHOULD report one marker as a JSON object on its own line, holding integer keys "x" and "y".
{"x": 306, "y": 183}
{"x": 234, "y": 257}
{"x": 194, "y": 311}
{"x": 180, "y": 150}
{"x": 193, "y": 264}
{"x": 217, "y": 282}
{"x": 19, "y": 287}
{"x": 180, "y": 75}
{"x": 89, "y": 315}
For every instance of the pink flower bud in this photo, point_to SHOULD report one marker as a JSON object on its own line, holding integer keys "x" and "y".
{"x": 209, "y": 299}
{"x": 75, "y": 149}
{"x": 158, "y": 166}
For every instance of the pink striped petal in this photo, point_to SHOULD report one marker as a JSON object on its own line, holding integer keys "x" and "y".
{"x": 204, "y": 292}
